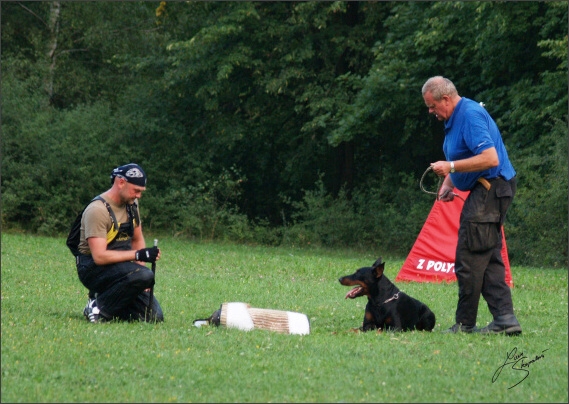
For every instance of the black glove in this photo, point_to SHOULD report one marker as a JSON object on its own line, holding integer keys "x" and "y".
{"x": 147, "y": 254}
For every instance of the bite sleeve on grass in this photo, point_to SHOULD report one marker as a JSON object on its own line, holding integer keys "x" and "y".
{"x": 244, "y": 317}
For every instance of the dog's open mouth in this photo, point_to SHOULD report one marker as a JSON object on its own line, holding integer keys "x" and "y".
{"x": 355, "y": 292}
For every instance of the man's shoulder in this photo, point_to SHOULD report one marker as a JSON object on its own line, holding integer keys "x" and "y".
{"x": 96, "y": 221}
{"x": 95, "y": 209}
{"x": 471, "y": 106}
{"x": 474, "y": 114}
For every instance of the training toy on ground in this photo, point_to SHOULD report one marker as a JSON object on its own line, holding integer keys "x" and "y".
{"x": 244, "y": 317}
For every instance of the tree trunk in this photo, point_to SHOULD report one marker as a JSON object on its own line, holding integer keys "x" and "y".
{"x": 54, "y": 16}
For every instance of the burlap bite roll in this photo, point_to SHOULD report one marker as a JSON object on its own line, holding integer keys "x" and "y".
{"x": 244, "y": 317}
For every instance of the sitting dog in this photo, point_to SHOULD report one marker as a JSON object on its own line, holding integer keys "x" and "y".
{"x": 387, "y": 308}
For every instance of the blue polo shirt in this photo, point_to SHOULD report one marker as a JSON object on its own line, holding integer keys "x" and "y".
{"x": 468, "y": 132}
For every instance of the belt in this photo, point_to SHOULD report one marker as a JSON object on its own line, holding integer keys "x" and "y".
{"x": 485, "y": 183}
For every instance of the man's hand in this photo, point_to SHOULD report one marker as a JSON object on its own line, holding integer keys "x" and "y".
{"x": 446, "y": 194}
{"x": 441, "y": 168}
{"x": 147, "y": 254}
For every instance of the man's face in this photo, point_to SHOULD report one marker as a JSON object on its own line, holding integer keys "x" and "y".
{"x": 129, "y": 192}
{"x": 442, "y": 109}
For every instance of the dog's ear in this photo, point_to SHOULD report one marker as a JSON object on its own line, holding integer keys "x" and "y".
{"x": 378, "y": 266}
{"x": 377, "y": 263}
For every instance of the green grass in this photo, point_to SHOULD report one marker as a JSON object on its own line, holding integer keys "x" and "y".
{"x": 50, "y": 353}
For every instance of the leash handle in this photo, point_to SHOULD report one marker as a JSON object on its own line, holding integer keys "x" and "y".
{"x": 439, "y": 185}
{"x": 423, "y": 188}
{"x": 151, "y": 298}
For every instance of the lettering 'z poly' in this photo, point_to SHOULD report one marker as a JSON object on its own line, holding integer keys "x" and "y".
{"x": 437, "y": 266}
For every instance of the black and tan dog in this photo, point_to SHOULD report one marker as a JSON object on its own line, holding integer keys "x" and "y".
{"x": 387, "y": 308}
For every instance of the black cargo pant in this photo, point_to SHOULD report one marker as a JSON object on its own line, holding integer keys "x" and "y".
{"x": 479, "y": 266}
{"x": 119, "y": 289}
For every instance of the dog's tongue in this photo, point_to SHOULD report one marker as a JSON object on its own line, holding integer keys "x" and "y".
{"x": 353, "y": 293}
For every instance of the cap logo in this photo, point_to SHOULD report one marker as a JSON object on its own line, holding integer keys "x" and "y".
{"x": 134, "y": 173}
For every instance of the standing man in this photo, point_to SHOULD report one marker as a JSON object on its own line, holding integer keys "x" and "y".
{"x": 477, "y": 161}
{"x": 112, "y": 252}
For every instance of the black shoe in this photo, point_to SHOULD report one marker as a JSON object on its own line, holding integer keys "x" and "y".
{"x": 507, "y": 324}
{"x": 92, "y": 312}
{"x": 458, "y": 327}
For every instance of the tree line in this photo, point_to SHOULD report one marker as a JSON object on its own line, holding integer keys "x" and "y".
{"x": 278, "y": 122}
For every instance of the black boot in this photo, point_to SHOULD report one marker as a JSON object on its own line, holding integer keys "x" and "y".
{"x": 507, "y": 324}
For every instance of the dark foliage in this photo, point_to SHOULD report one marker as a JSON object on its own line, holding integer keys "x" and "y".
{"x": 277, "y": 122}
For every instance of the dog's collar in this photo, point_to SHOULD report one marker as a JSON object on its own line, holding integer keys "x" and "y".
{"x": 394, "y": 297}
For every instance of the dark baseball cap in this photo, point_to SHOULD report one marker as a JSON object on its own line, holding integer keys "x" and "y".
{"x": 132, "y": 173}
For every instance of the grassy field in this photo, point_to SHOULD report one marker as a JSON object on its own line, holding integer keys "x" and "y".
{"x": 50, "y": 353}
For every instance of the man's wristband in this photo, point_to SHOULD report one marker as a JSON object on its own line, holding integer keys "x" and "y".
{"x": 452, "y": 170}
